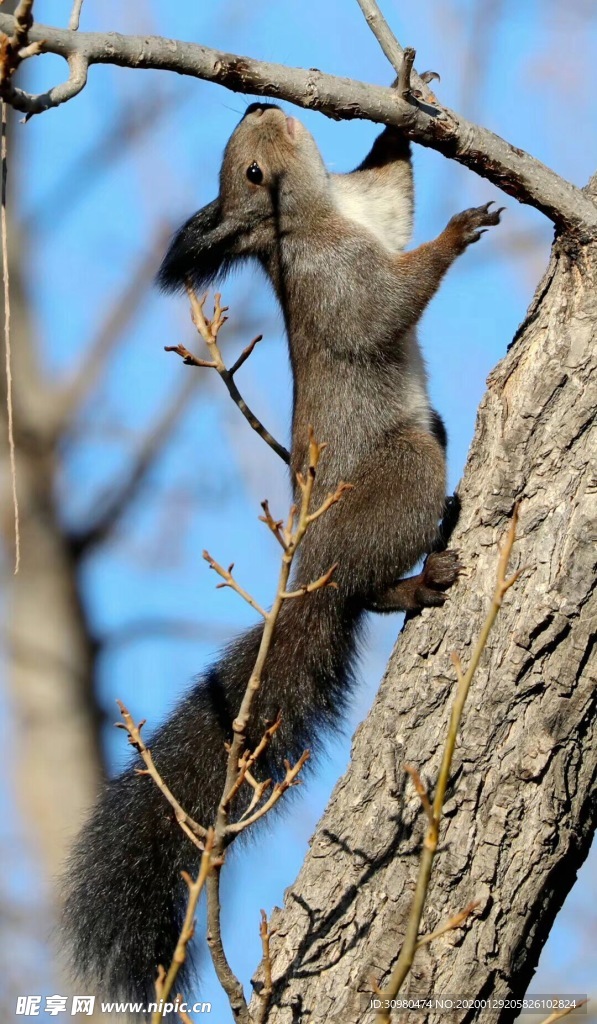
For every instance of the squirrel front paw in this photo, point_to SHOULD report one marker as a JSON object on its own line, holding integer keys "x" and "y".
{"x": 467, "y": 227}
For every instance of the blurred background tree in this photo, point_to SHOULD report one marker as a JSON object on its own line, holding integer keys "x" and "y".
{"x": 130, "y": 463}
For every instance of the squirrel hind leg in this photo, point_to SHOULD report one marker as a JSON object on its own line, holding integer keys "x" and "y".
{"x": 425, "y": 590}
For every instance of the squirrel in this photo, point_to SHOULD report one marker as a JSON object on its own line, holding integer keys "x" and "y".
{"x": 332, "y": 246}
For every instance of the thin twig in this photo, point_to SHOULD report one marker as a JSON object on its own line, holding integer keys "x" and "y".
{"x": 403, "y": 86}
{"x": 196, "y": 832}
{"x": 382, "y": 32}
{"x": 23, "y": 21}
{"x": 7, "y": 349}
{"x": 183, "y": 1013}
{"x": 226, "y": 976}
{"x": 239, "y": 761}
{"x": 165, "y": 980}
{"x": 558, "y": 1014}
{"x": 259, "y": 788}
{"x": 275, "y": 525}
{"x": 392, "y": 49}
{"x": 450, "y": 925}
{"x": 246, "y": 352}
{"x": 75, "y": 17}
{"x": 265, "y": 993}
{"x": 230, "y": 581}
{"x": 411, "y": 938}
{"x": 209, "y": 330}
{"x": 247, "y": 761}
{"x": 290, "y": 779}
{"x": 292, "y": 537}
{"x": 329, "y": 501}
{"x": 421, "y": 790}
{"x": 325, "y": 580}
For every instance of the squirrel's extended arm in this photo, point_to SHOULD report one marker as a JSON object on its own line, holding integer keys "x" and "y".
{"x": 422, "y": 269}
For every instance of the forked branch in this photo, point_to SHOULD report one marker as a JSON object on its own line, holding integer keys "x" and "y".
{"x": 195, "y": 832}
{"x": 209, "y": 330}
{"x": 240, "y": 760}
{"x": 166, "y": 979}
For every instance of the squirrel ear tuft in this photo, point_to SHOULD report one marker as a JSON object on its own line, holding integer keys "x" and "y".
{"x": 202, "y": 249}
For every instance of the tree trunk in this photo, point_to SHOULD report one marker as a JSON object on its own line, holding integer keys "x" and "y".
{"x": 521, "y": 805}
{"x": 56, "y": 761}
{"x": 51, "y": 678}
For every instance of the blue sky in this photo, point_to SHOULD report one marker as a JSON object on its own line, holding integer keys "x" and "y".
{"x": 535, "y": 83}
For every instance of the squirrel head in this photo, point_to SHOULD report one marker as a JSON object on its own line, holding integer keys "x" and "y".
{"x": 272, "y": 181}
{"x": 272, "y": 166}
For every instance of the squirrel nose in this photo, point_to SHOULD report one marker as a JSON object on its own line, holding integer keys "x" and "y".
{"x": 260, "y": 108}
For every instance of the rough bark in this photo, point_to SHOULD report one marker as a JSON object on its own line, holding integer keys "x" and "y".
{"x": 522, "y": 808}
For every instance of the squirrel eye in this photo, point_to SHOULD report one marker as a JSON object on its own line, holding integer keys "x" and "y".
{"x": 255, "y": 174}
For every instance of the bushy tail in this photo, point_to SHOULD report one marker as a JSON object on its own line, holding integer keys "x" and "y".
{"x": 125, "y": 898}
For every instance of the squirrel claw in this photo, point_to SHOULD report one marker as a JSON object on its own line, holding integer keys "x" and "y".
{"x": 440, "y": 571}
{"x": 468, "y": 226}
{"x": 429, "y": 76}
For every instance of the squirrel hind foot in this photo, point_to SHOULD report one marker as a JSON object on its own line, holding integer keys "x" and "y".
{"x": 425, "y": 590}
{"x": 441, "y": 570}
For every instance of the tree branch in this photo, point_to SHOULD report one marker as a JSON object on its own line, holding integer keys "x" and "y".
{"x": 76, "y": 391}
{"x": 165, "y": 979}
{"x": 226, "y": 976}
{"x": 77, "y": 80}
{"x": 195, "y": 832}
{"x": 507, "y": 166}
{"x": 75, "y": 17}
{"x": 122, "y": 496}
{"x": 140, "y": 630}
{"x": 209, "y": 330}
{"x": 16, "y": 48}
{"x": 12, "y": 458}
{"x": 240, "y": 758}
{"x": 392, "y": 48}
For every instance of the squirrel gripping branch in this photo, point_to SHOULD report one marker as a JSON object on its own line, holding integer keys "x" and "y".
{"x": 333, "y": 248}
